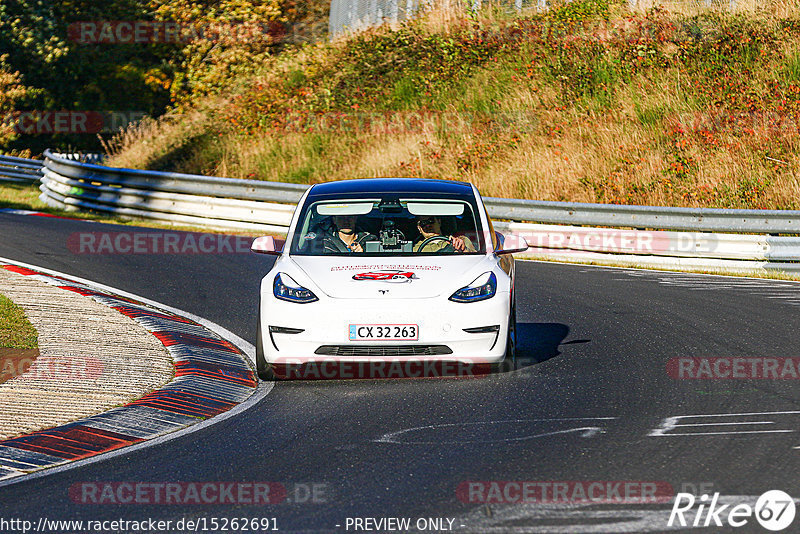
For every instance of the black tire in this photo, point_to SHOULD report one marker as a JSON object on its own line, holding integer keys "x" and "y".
{"x": 509, "y": 362}
{"x": 262, "y": 367}
{"x": 511, "y": 340}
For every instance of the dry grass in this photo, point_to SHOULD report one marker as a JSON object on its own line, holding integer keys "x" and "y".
{"x": 626, "y": 147}
{"x": 20, "y": 196}
{"x": 608, "y": 158}
{"x": 143, "y": 144}
{"x": 775, "y": 8}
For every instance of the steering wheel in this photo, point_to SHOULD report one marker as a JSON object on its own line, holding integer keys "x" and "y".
{"x": 434, "y": 239}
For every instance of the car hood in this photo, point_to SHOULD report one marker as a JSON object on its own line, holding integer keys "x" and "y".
{"x": 391, "y": 277}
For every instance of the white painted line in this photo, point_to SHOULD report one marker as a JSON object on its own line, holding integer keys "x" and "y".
{"x": 586, "y": 431}
{"x": 664, "y": 273}
{"x": 581, "y": 516}
{"x": 670, "y": 423}
{"x": 721, "y": 424}
{"x": 261, "y": 392}
{"x": 726, "y": 433}
{"x": 745, "y": 413}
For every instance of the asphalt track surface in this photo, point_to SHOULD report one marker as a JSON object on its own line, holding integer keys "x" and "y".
{"x": 592, "y": 389}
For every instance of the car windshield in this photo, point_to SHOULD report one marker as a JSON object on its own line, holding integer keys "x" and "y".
{"x": 388, "y": 226}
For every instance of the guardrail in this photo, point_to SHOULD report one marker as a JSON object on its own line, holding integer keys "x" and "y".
{"x": 657, "y": 248}
{"x": 692, "y": 219}
{"x": 643, "y": 234}
{"x": 19, "y": 170}
{"x": 171, "y": 197}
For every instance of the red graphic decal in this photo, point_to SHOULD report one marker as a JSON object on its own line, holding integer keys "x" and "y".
{"x": 384, "y": 275}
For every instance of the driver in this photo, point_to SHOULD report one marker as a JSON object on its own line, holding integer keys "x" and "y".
{"x": 343, "y": 237}
{"x": 430, "y": 226}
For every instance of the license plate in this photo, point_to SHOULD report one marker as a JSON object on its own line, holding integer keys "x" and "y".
{"x": 393, "y": 332}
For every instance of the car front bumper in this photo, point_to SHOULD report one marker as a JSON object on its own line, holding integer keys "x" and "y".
{"x": 473, "y": 332}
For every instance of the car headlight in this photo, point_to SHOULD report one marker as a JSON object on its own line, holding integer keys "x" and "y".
{"x": 284, "y": 288}
{"x": 482, "y": 288}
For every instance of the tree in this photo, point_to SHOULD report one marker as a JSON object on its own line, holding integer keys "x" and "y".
{"x": 225, "y": 38}
{"x": 69, "y": 75}
{"x": 12, "y": 92}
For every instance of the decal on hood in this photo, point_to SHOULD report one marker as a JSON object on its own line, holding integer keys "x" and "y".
{"x": 387, "y": 275}
{"x": 385, "y": 267}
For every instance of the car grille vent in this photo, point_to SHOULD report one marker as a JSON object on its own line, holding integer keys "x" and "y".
{"x": 381, "y": 351}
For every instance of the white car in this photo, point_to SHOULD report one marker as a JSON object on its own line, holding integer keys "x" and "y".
{"x": 388, "y": 277}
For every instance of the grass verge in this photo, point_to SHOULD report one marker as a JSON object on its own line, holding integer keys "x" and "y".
{"x": 16, "y": 332}
{"x": 18, "y": 341}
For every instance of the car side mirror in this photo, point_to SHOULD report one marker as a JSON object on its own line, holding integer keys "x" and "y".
{"x": 268, "y": 245}
{"x": 511, "y": 244}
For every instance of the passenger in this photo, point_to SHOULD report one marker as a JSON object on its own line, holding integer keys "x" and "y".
{"x": 431, "y": 227}
{"x": 342, "y": 236}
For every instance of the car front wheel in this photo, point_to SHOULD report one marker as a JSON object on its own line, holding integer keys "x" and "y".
{"x": 262, "y": 367}
{"x": 509, "y": 362}
{"x": 511, "y": 341}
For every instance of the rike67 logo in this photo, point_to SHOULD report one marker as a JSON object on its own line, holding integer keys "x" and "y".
{"x": 774, "y": 510}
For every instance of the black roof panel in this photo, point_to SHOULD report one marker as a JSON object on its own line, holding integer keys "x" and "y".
{"x": 391, "y": 185}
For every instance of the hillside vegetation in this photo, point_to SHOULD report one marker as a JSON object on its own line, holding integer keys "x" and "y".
{"x": 587, "y": 102}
